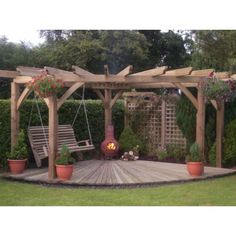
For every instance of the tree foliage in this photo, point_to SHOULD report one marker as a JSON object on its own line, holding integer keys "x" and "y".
{"x": 215, "y": 49}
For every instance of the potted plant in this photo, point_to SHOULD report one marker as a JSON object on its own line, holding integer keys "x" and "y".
{"x": 194, "y": 163}
{"x": 64, "y": 164}
{"x": 18, "y": 156}
{"x": 45, "y": 85}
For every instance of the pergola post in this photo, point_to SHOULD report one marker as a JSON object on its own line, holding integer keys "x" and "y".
{"x": 15, "y": 116}
{"x": 219, "y": 132}
{"x": 200, "y": 125}
{"x": 53, "y": 125}
{"x": 163, "y": 123}
{"x": 108, "y": 108}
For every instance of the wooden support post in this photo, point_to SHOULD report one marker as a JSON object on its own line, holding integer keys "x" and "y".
{"x": 163, "y": 123}
{"x": 52, "y": 123}
{"x": 107, "y": 107}
{"x": 219, "y": 133}
{"x": 126, "y": 118}
{"x": 15, "y": 116}
{"x": 200, "y": 126}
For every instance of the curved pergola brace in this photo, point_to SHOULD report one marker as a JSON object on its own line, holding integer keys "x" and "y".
{"x": 187, "y": 93}
{"x": 68, "y": 93}
{"x": 99, "y": 94}
{"x": 26, "y": 92}
{"x": 116, "y": 97}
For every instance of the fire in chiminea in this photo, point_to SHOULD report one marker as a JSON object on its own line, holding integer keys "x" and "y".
{"x": 110, "y": 146}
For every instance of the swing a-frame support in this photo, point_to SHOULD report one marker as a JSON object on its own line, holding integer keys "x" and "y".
{"x": 109, "y": 88}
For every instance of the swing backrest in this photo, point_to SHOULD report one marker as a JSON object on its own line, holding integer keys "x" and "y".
{"x": 38, "y": 137}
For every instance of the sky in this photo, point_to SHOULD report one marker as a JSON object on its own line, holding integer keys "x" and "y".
{"x": 27, "y": 36}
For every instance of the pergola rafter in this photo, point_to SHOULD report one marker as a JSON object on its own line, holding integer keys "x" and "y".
{"x": 104, "y": 84}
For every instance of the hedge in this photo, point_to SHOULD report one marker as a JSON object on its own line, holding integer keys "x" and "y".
{"x": 186, "y": 120}
{"x": 229, "y": 147}
{"x": 66, "y": 115}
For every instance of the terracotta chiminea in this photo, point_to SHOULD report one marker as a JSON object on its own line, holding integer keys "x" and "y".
{"x": 110, "y": 146}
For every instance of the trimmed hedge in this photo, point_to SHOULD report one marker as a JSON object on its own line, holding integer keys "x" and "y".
{"x": 229, "y": 147}
{"x": 66, "y": 115}
{"x": 186, "y": 120}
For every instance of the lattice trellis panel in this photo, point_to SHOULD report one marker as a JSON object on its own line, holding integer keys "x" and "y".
{"x": 157, "y": 121}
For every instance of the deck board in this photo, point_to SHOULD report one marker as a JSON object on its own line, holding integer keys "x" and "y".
{"x": 117, "y": 172}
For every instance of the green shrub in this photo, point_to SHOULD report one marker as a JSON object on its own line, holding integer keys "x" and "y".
{"x": 175, "y": 151}
{"x": 161, "y": 154}
{"x": 212, "y": 155}
{"x": 128, "y": 140}
{"x": 229, "y": 147}
{"x": 194, "y": 155}
{"x": 65, "y": 156}
{"x": 229, "y": 144}
{"x": 186, "y": 118}
{"x": 19, "y": 151}
{"x": 66, "y": 115}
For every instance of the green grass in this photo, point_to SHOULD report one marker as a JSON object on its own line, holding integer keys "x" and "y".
{"x": 221, "y": 191}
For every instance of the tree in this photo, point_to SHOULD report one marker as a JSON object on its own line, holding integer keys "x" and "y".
{"x": 92, "y": 49}
{"x": 168, "y": 48}
{"x": 215, "y": 49}
{"x": 12, "y": 55}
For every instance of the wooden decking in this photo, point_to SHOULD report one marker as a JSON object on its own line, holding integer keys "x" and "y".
{"x": 121, "y": 173}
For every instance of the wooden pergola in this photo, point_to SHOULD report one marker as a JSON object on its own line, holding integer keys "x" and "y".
{"x": 107, "y": 84}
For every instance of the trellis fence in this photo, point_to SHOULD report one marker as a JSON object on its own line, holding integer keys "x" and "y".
{"x": 154, "y": 119}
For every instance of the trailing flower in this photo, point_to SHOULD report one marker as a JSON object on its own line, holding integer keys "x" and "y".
{"x": 45, "y": 85}
{"x": 219, "y": 90}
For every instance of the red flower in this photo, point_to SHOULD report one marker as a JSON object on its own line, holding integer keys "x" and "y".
{"x": 211, "y": 74}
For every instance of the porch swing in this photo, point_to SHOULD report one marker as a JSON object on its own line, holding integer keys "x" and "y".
{"x": 38, "y": 135}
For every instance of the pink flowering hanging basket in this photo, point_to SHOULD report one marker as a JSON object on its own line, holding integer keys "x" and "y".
{"x": 45, "y": 85}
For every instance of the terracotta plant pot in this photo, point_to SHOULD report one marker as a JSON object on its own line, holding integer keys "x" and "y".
{"x": 17, "y": 166}
{"x": 195, "y": 168}
{"x": 64, "y": 172}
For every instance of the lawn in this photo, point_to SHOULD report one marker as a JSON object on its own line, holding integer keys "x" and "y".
{"x": 221, "y": 191}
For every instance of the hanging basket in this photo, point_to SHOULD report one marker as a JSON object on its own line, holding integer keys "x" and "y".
{"x": 45, "y": 85}
{"x": 44, "y": 94}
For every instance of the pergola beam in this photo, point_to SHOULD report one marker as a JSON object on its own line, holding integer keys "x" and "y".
{"x": 8, "y": 74}
{"x": 180, "y": 72}
{"x": 29, "y": 71}
{"x": 152, "y": 72}
{"x": 205, "y": 72}
{"x": 126, "y": 71}
{"x": 129, "y": 80}
{"x": 80, "y": 71}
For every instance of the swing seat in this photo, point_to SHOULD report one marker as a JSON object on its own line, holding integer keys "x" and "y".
{"x": 38, "y": 138}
